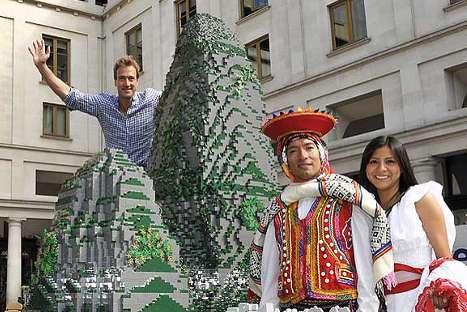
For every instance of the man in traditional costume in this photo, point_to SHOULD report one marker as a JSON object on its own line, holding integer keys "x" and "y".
{"x": 324, "y": 241}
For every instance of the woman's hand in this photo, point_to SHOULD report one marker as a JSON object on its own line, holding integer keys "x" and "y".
{"x": 440, "y": 302}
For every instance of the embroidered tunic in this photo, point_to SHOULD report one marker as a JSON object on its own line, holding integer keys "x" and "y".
{"x": 318, "y": 265}
{"x": 316, "y": 259}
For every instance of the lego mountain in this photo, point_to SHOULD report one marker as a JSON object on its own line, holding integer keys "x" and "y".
{"x": 109, "y": 250}
{"x": 174, "y": 238}
{"x": 211, "y": 166}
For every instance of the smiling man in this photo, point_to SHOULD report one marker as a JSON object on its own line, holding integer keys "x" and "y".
{"x": 303, "y": 252}
{"x": 126, "y": 118}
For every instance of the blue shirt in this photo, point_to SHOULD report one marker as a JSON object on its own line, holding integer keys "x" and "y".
{"x": 132, "y": 133}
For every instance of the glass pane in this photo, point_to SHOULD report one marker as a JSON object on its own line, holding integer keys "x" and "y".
{"x": 247, "y": 7}
{"x": 47, "y": 120}
{"x": 192, "y": 5}
{"x": 62, "y": 47}
{"x": 265, "y": 58}
{"x": 341, "y": 25}
{"x": 131, "y": 49}
{"x": 132, "y": 38}
{"x": 139, "y": 36}
{"x": 139, "y": 57}
{"x": 456, "y": 165}
{"x": 181, "y": 8}
{"x": 251, "y": 52}
{"x": 49, "y": 43}
{"x": 192, "y": 12}
{"x": 260, "y": 3}
{"x": 61, "y": 121}
{"x": 62, "y": 68}
{"x": 358, "y": 19}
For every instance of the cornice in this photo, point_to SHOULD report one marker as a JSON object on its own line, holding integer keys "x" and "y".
{"x": 451, "y": 126}
{"x": 25, "y": 209}
{"x": 45, "y": 150}
{"x": 369, "y": 59}
{"x": 75, "y": 11}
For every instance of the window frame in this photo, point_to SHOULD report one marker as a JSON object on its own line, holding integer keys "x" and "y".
{"x": 350, "y": 33}
{"x": 128, "y": 33}
{"x": 55, "y": 108}
{"x": 259, "y": 69}
{"x": 54, "y": 51}
{"x": 456, "y": 202}
{"x": 177, "y": 14}
{"x": 38, "y": 181}
{"x": 242, "y": 5}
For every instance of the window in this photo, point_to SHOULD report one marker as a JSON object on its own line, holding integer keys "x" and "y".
{"x": 101, "y": 2}
{"x": 134, "y": 44}
{"x": 59, "y": 60}
{"x": 457, "y": 86}
{"x": 249, "y": 6}
{"x": 455, "y": 1}
{"x": 259, "y": 54}
{"x": 348, "y": 22}
{"x": 55, "y": 120}
{"x": 456, "y": 186}
{"x": 186, "y": 9}
{"x": 49, "y": 182}
{"x": 359, "y": 115}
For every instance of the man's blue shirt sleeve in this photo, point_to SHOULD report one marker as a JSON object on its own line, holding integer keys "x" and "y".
{"x": 77, "y": 100}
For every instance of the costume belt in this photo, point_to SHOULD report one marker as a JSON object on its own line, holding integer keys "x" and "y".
{"x": 407, "y": 277}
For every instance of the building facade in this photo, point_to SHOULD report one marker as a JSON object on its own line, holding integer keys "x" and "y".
{"x": 396, "y": 67}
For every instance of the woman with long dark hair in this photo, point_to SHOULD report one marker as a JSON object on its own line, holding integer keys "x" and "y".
{"x": 422, "y": 226}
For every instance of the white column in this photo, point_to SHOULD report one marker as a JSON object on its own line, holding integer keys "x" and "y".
{"x": 427, "y": 169}
{"x": 13, "y": 278}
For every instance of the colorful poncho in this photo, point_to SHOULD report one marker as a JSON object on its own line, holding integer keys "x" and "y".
{"x": 336, "y": 187}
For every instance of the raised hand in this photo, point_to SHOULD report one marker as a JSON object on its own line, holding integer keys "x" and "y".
{"x": 40, "y": 54}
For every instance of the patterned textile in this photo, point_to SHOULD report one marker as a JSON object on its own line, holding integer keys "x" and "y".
{"x": 316, "y": 253}
{"x": 324, "y": 305}
{"x": 256, "y": 250}
{"x": 446, "y": 286}
{"x": 131, "y": 133}
{"x": 342, "y": 188}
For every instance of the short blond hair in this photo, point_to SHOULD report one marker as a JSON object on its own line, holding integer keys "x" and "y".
{"x": 126, "y": 61}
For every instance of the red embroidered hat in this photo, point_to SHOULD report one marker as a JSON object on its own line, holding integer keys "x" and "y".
{"x": 278, "y": 127}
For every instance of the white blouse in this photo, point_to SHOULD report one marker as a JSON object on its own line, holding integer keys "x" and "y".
{"x": 409, "y": 240}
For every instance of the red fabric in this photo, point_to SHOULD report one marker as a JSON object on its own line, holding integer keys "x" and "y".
{"x": 456, "y": 296}
{"x": 407, "y": 268}
{"x": 251, "y": 297}
{"x": 404, "y": 286}
{"x": 316, "y": 252}
{"x": 436, "y": 263}
{"x": 298, "y": 122}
